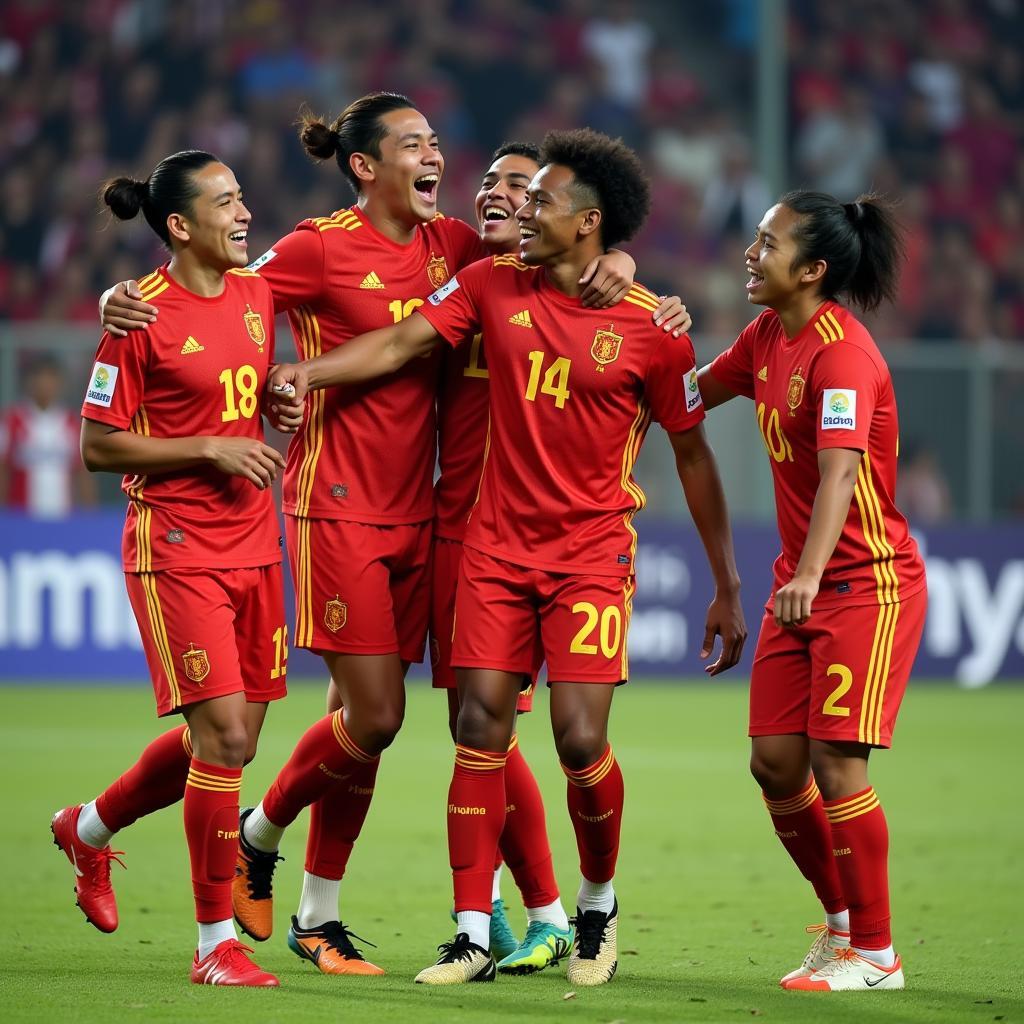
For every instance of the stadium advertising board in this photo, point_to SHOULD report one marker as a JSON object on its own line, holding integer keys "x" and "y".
{"x": 64, "y": 613}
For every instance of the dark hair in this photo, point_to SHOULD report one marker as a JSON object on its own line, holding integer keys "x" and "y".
{"x": 357, "y": 129}
{"x": 608, "y": 175}
{"x": 860, "y": 242}
{"x": 526, "y": 149}
{"x": 171, "y": 188}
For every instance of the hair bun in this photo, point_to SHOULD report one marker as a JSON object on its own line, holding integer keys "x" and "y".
{"x": 124, "y": 196}
{"x": 318, "y": 140}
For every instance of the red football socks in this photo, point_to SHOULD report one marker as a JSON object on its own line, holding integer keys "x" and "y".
{"x": 324, "y": 756}
{"x": 524, "y": 840}
{"x": 860, "y": 845}
{"x": 156, "y": 780}
{"x": 595, "y": 798}
{"x": 476, "y": 818}
{"x": 803, "y": 829}
{"x": 336, "y": 819}
{"x": 211, "y": 828}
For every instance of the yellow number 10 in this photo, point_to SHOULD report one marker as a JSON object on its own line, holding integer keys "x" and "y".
{"x": 556, "y": 379}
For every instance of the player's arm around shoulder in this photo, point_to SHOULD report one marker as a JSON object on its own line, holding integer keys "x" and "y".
{"x": 365, "y": 357}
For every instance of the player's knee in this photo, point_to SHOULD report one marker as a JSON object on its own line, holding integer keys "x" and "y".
{"x": 480, "y": 726}
{"x": 580, "y": 744}
{"x": 776, "y": 776}
{"x": 224, "y": 744}
{"x": 380, "y": 727}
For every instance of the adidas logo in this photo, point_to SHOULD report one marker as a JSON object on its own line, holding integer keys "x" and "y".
{"x": 191, "y": 346}
{"x": 371, "y": 281}
{"x": 762, "y": 374}
{"x": 521, "y": 319}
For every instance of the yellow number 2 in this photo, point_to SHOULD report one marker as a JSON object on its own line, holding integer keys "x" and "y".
{"x": 556, "y": 379}
{"x": 845, "y": 682}
{"x": 244, "y": 381}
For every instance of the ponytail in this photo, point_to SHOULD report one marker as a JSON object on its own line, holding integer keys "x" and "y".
{"x": 358, "y": 129}
{"x": 171, "y": 188}
{"x": 861, "y": 244}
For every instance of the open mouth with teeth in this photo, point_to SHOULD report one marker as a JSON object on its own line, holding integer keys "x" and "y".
{"x": 756, "y": 280}
{"x": 426, "y": 186}
{"x": 495, "y": 214}
{"x": 238, "y": 237}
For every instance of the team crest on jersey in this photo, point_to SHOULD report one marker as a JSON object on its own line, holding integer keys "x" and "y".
{"x": 335, "y": 614}
{"x": 254, "y": 325}
{"x": 605, "y": 347}
{"x": 437, "y": 270}
{"x": 795, "y": 394}
{"x": 197, "y": 664}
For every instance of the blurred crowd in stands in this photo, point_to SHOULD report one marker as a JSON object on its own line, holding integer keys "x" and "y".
{"x": 921, "y": 100}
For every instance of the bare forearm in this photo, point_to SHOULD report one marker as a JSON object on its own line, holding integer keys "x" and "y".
{"x": 371, "y": 355}
{"x": 705, "y": 498}
{"x": 121, "y": 451}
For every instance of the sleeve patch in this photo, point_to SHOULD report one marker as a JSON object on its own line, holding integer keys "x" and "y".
{"x": 838, "y": 409}
{"x": 693, "y": 398}
{"x": 260, "y": 260}
{"x": 102, "y": 385}
{"x": 443, "y": 292}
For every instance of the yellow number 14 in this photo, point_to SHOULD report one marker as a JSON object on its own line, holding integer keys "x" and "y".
{"x": 556, "y": 379}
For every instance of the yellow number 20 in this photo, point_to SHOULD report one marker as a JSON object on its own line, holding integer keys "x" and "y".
{"x": 610, "y": 633}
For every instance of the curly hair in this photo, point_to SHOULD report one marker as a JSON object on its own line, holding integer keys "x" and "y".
{"x": 608, "y": 175}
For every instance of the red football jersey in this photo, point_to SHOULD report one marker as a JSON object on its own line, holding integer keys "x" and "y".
{"x": 366, "y": 451}
{"x": 828, "y": 387}
{"x": 462, "y": 405}
{"x": 200, "y": 369}
{"x": 572, "y": 393}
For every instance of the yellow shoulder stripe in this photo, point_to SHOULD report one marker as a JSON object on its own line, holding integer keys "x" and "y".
{"x": 643, "y": 303}
{"x": 829, "y": 328}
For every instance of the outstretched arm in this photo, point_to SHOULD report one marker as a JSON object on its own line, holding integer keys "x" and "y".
{"x": 712, "y": 391}
{"x": 366, "y": 357}
{"x": 698, "y": 473}
{"x": 108, "y": 449}
{"x": 838, "y": 471}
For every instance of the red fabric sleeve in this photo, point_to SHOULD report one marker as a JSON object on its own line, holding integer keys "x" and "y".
{"x": 454, "y": 309}
{"x": 294, "y": 267}
{"x": 671, "y": 385}
{"x": 845, "y": 387}
{"x": 117, "y": 382}
{"x": 735, "y": 366}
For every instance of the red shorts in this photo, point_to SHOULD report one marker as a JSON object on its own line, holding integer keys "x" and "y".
{"x": 211, "y": 632}
{"x": 840, "y": 676}
{"x": 444, "y": 576}
{"x": 360, "y": 589}
{"x": 501, "y": 610}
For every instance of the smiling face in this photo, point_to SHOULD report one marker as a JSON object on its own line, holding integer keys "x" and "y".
{"x": 771, "y": 260}
{"x": 406, "y": 175}
{"x": 216, "y": 225}
{"x": 549, "y": 226}
{"x": 502, "y": 192}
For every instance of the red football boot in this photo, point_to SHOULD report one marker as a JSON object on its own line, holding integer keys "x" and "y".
{"x": 92, "y": 870}
{"x": 228, "y": 965}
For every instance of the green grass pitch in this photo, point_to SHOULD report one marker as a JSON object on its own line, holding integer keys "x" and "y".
{"x": 712, "y": 910}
